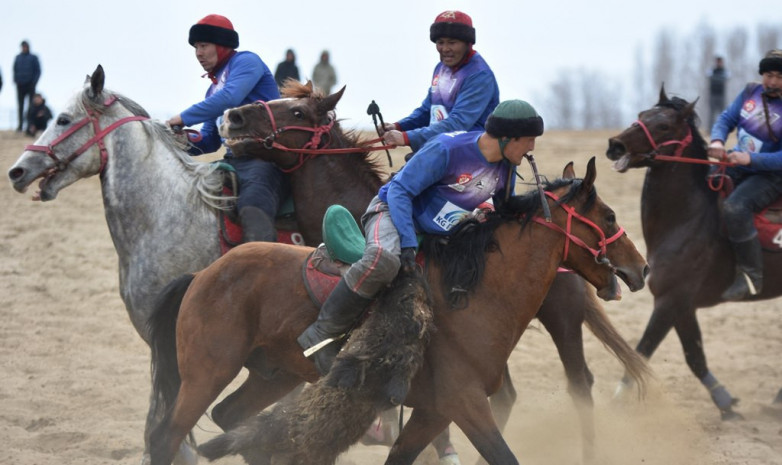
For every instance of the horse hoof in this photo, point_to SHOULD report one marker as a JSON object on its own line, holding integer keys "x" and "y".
{"x": 730, "y": 415}
{"x": 450, "y": 459}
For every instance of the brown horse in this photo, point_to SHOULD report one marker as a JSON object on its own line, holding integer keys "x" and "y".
{"x": 247, "y": 308}
{"x": 351, "y": 178}
{"x": 690, "y": 257}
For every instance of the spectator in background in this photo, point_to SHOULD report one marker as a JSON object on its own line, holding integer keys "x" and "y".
{"x": 27, "y": 71}
{"x": 286, "y": 69}
{"x": 323, "y": 76}
{"x": 38, "y": 115}
{"x": 718, "y": 80}
{"x": 1, "y": 81}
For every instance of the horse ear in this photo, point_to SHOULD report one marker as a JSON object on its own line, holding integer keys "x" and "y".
{"x": 96, "y": 81}
{"x": 330, "y": 102}
{"x": 308, "y": 85}
{"x": 689, "y": 109}
{"x": 569, "y": 172}
{"x": 589, "y": 180}
{"x": 663, "y": 97}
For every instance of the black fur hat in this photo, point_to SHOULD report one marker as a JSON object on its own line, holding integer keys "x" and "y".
{"x": 214, "y": 29}
{"x": 771, "y": 62}
{"x": 453, "y": 24}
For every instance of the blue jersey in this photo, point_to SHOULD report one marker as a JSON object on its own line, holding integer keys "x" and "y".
{"x": 458, "y": 100}
{"x": 747, "y": 115}
{"x": 442, "y": 185}
{"x": 245, "y": 78}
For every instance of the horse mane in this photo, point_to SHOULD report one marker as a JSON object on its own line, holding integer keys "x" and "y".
{"x": 208, "y": 184}
{"x": 462, "y": 255}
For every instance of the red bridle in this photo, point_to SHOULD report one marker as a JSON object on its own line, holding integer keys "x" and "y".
{"x": 682, "y": 144}
{"x": 92, "y": 117}
{"x": 312, "y": 147}
{"x": 599, "y": 254}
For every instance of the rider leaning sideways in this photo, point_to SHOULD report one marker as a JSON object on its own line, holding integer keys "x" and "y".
{"x": 756, "y": 114}
{"x": 452, "y": 175}
{"x": 237, "y": 78}
{"x": 463, "y": 91}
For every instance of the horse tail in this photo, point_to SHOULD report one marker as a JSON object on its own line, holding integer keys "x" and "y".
{"x": 598, "y": 323}
{"x": 162, "y": 330}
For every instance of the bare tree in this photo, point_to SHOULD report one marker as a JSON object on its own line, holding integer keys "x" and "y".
{"x": 561, "y": 110}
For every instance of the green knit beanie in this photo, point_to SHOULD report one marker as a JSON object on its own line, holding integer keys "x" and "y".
{"x": 514, "y": 118}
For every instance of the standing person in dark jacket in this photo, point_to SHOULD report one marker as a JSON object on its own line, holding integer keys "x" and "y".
{"x": 463, "y": 89}
{"x": 27, "y": 71}
{"x": 756, "y": 115}
{"x": 286, "y": 69}
{"x": 237, "y": 78}
{"x": 718, "y": 83}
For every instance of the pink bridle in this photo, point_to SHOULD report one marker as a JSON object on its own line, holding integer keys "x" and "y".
{"x": 599, "y": 254}
{"x": 97, "y": 138}
{"x": 312, "y": 147}
{"x": 682, "y": 144}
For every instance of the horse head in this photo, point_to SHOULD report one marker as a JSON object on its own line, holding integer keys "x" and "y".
{"x": 73, "y": 147}
{"x": 666, "y": 129}
{"x": 596, "y": 246}
{"x": 303, "y": 119}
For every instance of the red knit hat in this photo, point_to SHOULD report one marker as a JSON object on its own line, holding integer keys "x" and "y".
{"x": 214, "y": 29}
{"x": 453, "y": 24}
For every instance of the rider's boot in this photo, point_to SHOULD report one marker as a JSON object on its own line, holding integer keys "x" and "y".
{"x": 256, "y": 225}
{"x": 749, "y": 270}
{"x": 336, "y": 316}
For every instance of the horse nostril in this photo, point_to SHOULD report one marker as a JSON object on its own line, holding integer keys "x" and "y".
{"x": 646, "y": 271}
{"x": 235, "y": 119}
{"x": 615, "y": 148}
{"x": 15, "y": 173}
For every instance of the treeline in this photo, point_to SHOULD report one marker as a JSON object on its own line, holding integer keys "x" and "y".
{"x": 590, "y": 99}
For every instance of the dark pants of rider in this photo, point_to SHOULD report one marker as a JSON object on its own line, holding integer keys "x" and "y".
{"x": 752, "y": 194}
{"x": 22, "y": 91}
{"x": 261, "y": 184}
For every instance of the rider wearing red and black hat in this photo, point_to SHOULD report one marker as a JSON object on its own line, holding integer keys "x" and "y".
{"x": 237, "y": 78}
{"x": 463, "y": 90}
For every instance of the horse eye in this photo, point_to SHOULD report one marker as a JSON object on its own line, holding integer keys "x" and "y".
{"x": 611, "y": 218}
{"x": 63, "y": 120}
{"x": 298, "y": 114}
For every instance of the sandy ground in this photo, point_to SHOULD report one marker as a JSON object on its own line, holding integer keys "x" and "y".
{"x": 75, "y": 375}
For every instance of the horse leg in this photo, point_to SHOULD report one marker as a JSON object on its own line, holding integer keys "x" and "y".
{"x": 194, "y": 397}
{"x": 477, "y": 422}
{"x": 418, "y": 432}
{"x": 564, "y": 324}
{"x": 501, "y": 404}
{"x": 657, "y": 328}
{"x": 689, "y": 333}
{"x": 255, "y": 394}
{"x": 778, "y": 398}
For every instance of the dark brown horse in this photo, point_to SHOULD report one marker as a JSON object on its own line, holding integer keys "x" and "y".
{"x": 274, "y": 131}
{"x": 689, "y": 255}
{"x": 247, "y": 308}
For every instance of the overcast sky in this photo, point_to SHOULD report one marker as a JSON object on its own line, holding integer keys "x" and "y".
{"x": 381, "y": 50}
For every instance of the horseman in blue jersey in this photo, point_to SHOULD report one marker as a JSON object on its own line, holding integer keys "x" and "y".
{"x": 756, "y": 114}
{"x": 237, "y": 78}
{"x": 463, "y": 91}
{"x": 452, "y": 174}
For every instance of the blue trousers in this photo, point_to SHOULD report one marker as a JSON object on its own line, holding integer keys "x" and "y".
{"x": 261, "y": 184}
{"x": 753, "y": 193}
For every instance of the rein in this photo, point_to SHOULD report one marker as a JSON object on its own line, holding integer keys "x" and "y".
{"x": 599, "y": 254}
{"x": 92, "y": 117}
{"x": 312, "y": 147}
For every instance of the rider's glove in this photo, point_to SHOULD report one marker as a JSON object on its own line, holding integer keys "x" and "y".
{"x": 408, "y": 259}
